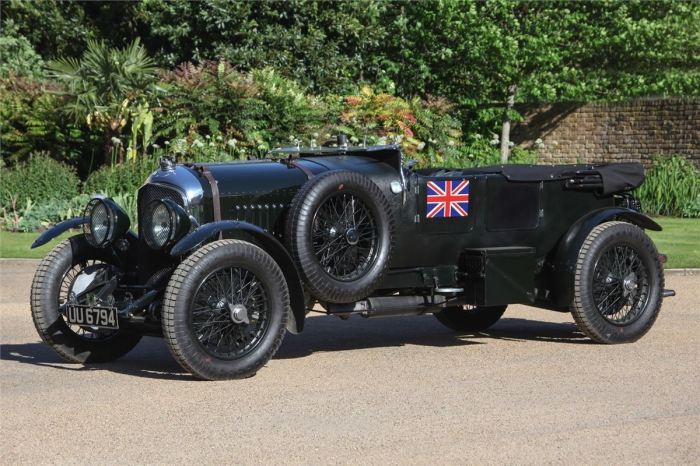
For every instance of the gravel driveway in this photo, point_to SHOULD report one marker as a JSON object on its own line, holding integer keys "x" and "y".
{"x": 395, "y": 390}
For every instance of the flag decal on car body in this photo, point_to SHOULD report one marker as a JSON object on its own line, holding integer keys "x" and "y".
{"x": 448, "y": 198}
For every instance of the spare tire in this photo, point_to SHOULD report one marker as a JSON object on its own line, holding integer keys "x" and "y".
{"x": 339, "y": 231}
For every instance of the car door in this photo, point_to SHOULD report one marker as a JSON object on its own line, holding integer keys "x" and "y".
{"x": 445, "y": 204}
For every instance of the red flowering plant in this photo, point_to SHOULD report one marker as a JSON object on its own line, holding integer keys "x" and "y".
{"x": 379, "y": 118}
{"x": 425, "y": 129}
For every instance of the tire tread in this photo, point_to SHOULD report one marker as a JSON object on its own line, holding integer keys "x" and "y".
{"x": 580, "y": 308}
{"x": 315, "y": 279}
{"x": 171, "y": 325}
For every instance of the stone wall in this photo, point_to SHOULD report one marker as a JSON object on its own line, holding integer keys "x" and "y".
{"x": 612, "y": 132}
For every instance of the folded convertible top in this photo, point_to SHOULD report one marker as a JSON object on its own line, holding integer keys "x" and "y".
{"x": 604, "y": 179}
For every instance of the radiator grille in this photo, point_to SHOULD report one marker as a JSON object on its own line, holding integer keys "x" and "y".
{"x": 152, "y": 192}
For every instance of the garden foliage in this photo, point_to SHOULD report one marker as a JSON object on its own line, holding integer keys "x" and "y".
{"x": 671, "y": 187}
{"x": 105, "y": 88}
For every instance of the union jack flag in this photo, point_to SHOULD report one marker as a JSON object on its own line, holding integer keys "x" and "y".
{"x": 449, "y": 198}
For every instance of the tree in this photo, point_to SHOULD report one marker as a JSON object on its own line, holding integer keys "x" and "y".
{"x": 104, "y": 86}
{"x": 484, "y": 55}
{"x": 488, "y": 55}
{"x": 53, "y": 28}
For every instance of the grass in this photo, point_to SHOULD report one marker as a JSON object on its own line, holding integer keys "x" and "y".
{"x": 17, "y": 245}
{"x": 680, "y": 241}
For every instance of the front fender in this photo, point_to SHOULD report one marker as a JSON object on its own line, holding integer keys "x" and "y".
{"x": 268, "y": 243}
{"x": 57, "y": 229}
{"x": 566, "y": 255}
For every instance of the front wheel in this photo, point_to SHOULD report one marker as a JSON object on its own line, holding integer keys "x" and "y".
{"x": 75, "y": 271}
{"x": 225, "y": 310}
{"x": 618, "y": 283}
{"x": 471, "y": 318}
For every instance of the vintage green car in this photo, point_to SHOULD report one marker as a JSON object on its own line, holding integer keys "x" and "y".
{"x": 230, "y": 256}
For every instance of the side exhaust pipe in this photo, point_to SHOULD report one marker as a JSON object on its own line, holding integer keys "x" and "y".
{"x": 388, "y": 306}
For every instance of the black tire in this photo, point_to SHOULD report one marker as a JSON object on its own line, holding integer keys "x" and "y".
{"x": 50, "y": 324}
{"x": 309, "y": 230}
{"x": 618, "y": 266}
{"x": 184, "y": 326}
{"x": 474, "y": 319}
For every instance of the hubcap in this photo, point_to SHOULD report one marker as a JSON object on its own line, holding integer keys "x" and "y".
{"x": 239, "y": 313}
{"x": 352, "y": 236}
{"x": 629, "y": 284}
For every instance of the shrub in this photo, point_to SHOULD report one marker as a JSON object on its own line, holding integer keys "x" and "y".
{"x": 106, "y": 87}
{"x": 692, "y": 209}
{"x": 479, "y": 152}
{"x": 424, "y": 128}
{"x": 257, "y": 109}
{"x": 128, "y": 202}
{"x": 672, "y": 187}
{"x": 40, "y": 179}
{"x": 121, "y": 178}
{"x": 31, "y": 123}
{"x": 33, "y": 216}
{"x": 17, "y": 56}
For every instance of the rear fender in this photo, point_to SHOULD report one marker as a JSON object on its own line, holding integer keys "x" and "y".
{"x": 566, "y": 255}
{"x": 269, "y": 244}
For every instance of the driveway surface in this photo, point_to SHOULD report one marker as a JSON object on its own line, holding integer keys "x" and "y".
{"x": 394, "y": 390}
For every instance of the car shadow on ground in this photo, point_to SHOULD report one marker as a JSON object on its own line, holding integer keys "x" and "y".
{"x": 151, "y": 358}
{"x": 330, "y": 334}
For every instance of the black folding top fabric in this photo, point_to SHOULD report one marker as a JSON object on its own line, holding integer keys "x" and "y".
{"x": 615, "y": 177}
{"x": 619, "y": 177}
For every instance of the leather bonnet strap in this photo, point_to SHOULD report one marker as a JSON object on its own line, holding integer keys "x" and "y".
{"x": 215, "y": 197}
{"x": 309, "y": 174}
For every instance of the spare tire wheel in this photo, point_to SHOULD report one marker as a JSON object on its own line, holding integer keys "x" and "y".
{"x": 339, "y": 231}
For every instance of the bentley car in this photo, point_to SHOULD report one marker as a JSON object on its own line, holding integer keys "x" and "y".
{"x": 225, "y": 258}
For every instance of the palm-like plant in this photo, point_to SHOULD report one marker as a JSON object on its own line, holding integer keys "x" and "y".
{"x": 102, "y": 85}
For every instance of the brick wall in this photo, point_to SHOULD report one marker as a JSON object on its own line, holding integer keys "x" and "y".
{"x": 612, "y": 132}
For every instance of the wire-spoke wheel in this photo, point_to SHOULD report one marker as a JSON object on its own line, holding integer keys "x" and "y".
{"x": 618, "y": 283}
{"x": 76, "y": 272}
{"x": 230, "y": 313}
{"x": 339, "y": 231}
{"x": 344, "y": 236}
{"x": 225, "y": 310}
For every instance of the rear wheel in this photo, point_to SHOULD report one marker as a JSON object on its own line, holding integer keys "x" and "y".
{"x": 470, "y": 318}
{"x": 618, "y": 283}
{"x": 75, "y": 271}
{"x": 225, "y": 310}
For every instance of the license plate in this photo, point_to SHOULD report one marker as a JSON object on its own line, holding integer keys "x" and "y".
{"x": 92, "y": 316}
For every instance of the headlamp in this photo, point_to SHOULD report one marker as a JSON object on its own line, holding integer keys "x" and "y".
{"x": 106, "y": 222}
